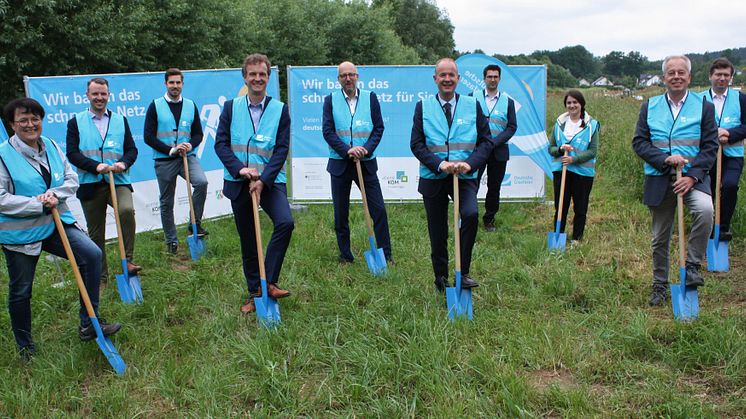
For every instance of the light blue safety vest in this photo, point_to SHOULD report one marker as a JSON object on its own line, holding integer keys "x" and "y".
{"x": 254, "y": 148}
{"x": 730, "y": 117}
{"x": 109, "y": 150}
{"x": 353, "y": 129}
{"x": 455, "y": 144}
{"x": 675, "y": 136}
{"x": 580, "y": 142}
{"x": 168, "y": 133}
{"x": 27, "y": 181}
{"x": 498, "y": 116}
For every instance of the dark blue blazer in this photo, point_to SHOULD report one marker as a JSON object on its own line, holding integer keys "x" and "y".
{"x": 337, "y": 167}
{"x": 231, "y": 189}
{"x": 656, "y": 186}
{"x": 477, "y": 159}
{"x": 501, "y": 152}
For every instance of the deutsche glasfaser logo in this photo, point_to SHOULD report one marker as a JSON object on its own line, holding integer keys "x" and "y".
{"x": 110, "y": 143}
{"x": 727, "y": 119}
{"x": 507, "y": 180}
{"x": 57, "y": 176}
{"x": 402, "y": 177}
{"x": 683, "y": 119}
{"x": 460, "y": 121}
{"x": 260, "y": 137}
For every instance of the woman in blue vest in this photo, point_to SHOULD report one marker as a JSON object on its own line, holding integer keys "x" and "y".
{"x": 34, "y": 178}
{"x": 577, "y": 133}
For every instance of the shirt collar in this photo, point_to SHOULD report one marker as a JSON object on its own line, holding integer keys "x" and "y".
{"x": 259, "y": 105}
{"x": 168, "y": 98}
{"x": 724, "y": 95}
{"x": 443, "y": 102}
{"x": 683, "y": 99}
{"x": 348, "y": 97}
{"x": 94, "y": 116}
{"x": 486, "y": 95}
{"x": 24, "y": 148}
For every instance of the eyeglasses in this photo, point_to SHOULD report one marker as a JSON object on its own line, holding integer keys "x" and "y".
{"x": 25, "y": 122}
{"x": 348, "y": 75}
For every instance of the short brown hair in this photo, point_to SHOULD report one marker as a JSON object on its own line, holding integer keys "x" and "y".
{"x": 256, "y": 59}
{"x": 26, "y": 105}
{"x": 721, "y": 63}
{"x": 97, "y": 80}
{"x": 173, "y": 72}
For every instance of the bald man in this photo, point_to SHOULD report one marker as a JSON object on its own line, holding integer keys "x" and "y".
{"x": 450, "y": 137}
{"x": 353, "y": 127}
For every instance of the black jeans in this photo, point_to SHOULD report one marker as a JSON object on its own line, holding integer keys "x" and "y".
{"x": 577, "y": 188}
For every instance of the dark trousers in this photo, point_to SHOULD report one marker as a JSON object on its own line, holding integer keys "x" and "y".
{"x": 578, "y": 188}
{"x": 731, "y": 174}
{"x": 274, "y": 202}
{"x": 21, "y": 270}
{"x": 437, "y": 210}
{"x": 341, "y": 186}
{"x": 495, "y": 173}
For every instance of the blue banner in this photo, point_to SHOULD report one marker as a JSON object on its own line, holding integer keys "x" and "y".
{"x": 531, "y": 137}
{"x": 131, "y": 94}
{"x": 3, "y": 134}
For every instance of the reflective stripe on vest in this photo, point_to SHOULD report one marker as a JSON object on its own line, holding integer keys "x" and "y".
{"x": 675, "y": 136}
{"x": 730, "y": 117}
{"x": 455, "y": 144}
{"x": 27, "y": 181}
{"x": 353, "y": 129}
{"x": 168, "y": 133}
{"x": 498, "y": 116}
{"x": 580, "y": 142}
{"x": 109, "y": 150}
{"x": 254, "y": 149}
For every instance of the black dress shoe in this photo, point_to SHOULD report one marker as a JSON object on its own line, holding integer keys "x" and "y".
{"x": 441, "y": 283}
{"x": 201, "y": 232}
{"x": 490, "y": 226}
{"x": 172, "y": 248}
{"x": 726, "y": 236}
{"x": 89, "y": 332}
{"x": 693, "y": 278}
{"x": 468, "y": 282}
{"x": 27, "y": 353}
{"x": 344, "y": 261}
{"x": 658, "y": 296}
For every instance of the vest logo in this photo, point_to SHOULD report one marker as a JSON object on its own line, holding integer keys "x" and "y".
{"x": 57, "y": 176}
{"x": 460, "y": 121}
{"x": 110, "y": 143}
{"x": 360, "y": 123}
{"x": 184, "y": 123}
{"x": 261, "y": 138}
{"x": 727, "y": 119}
{"x": 683, "y": 119}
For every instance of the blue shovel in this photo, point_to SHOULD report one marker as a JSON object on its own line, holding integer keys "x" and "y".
{"x": 196, "y": 244}
{"x": 374, "y": 257}
{"x": 555, "y": 239}
{"x": 458, "y": 300}
{"x": 107, "y": 347}
{"x": 685, "y": 300}
{"x": 128, "y": 285}
{"x": 717, "y": 250}
{"x": 267, "y": 309}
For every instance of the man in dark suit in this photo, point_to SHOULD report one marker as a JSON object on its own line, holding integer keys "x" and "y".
{"x": 353, "y": 127}
{"x": 450, "y": 137}
{"x": 500, "y": 112}
{"x": 252, "y": 141}
{"x": 677, "y": 129}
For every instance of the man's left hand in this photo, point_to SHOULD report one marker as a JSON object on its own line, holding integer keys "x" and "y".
{"x": 357, "y": 152}
{"x": 256, "y": 187}
{"x": 683, "y": 185}
{"x": 118, "y": 167}
{"x": 723, "y": 135}
{"x": 463, "y": 167}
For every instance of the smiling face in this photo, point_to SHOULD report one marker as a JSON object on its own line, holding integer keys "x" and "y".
{"x": 256, "y": 79}
{"x": 174, "y": 85}
{"x": 572, "y": 106}
{"x": 27, "y": 126}
{"x": 677, "y": 77}
{"x": 446, "y": 78}
{"x": 98, "y": 95}
{"x": 347, "y": 76}
{"x": 720, "y": 79}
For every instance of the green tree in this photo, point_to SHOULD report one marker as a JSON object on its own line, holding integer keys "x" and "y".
{"x": 577, "y": 59}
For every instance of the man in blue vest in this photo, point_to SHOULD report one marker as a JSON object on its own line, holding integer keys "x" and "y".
{"x": 172, "y": 129}
{"x": 500, "y": 112}
{"x": 353, "y": 127}
{"x": 730, "y": 116}
{"x": 450, "y": 137}
{"x": 34, "y": 178}
{"x": 252, "y": 141}
{"x": 99, "y": 141}
{"x": 677, "y": 129}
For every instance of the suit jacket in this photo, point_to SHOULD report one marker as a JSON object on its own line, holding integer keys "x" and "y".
{"x": 337, "y": 167}
{"x": 656, "y": 186}
{"x": 231, "y": 189}
{"x": 501, "y": 152}
{"x": 477, "y": 159}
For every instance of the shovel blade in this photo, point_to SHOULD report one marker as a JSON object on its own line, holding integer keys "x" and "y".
{"x": 717, "y": 256}
{"x": 459, "y": 303}
{"x": 136, "y": 288}
{"x": 556, "y": 241}
{"x": 267, "y": 312}
{"x": 376, "y": 261}
{"x": 125, "y": 289}
{"x": 685, "y": 300}
{"x": 108, "y": 348}
{"x": 196, "y": 246}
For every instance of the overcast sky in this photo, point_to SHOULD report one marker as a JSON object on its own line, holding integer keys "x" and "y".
{"x": 655, "y": 28}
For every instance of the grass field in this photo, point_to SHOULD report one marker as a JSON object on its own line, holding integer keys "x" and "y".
{"x": 553, "y": 335}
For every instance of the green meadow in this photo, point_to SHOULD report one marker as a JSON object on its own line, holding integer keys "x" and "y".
{"x": 553, "y": 335}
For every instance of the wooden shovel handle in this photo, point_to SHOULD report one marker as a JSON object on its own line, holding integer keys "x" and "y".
{"x": 562, "y": 190}
{"x": 718, "y": 179}
{"x": 73, "y": 263}
{"x": 680, "y": 216}
{"x": 456, "y": 230}
{"x": 365, "y": 199}
{"x": 192, "y": 216}
{"x": 258, "y": 233}
{"x": 115, "y": 205}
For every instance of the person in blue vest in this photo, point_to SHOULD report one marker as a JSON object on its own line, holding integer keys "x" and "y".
{"x": 450, "y": 137}
{"x": 577, "y": 133}
{"x": 500, "y": 112}
{"x": 730, "y": 116}
{"x": 252, "y": 141}
{"x": 172, "y": 129}
{"x": 353, "y": 127}
{"x": 34, "y": 178}
{"x": 677, "y": 129}
{"x": 99, "y": 141}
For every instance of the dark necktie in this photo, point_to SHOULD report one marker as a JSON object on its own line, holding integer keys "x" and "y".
{"x": 46, "y": 175}
{"x": 449, "y": 117}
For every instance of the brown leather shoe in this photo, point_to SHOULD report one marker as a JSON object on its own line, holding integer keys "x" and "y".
{"x": 276, "y": 292}
{"x": 249, "y": 307}
{"x": 132, "y": 268}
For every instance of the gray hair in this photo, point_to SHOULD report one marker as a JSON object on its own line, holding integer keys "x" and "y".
{"x": 673, "y": 57}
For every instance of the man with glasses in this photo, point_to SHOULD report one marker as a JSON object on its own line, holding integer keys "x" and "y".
{"x": 353, "y": 127}
{"x": 99, "y": 141}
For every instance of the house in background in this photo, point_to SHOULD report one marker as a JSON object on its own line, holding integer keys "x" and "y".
{"x": 647, "y": 80}
{"x": 602, "y": 82}
{"x": 583, "y": 83}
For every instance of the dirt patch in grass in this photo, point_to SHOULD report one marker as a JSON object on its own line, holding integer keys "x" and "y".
{"x": 544, "y": 378}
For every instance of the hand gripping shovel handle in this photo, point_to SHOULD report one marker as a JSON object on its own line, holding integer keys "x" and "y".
{"x": 192, "y": 216}
{"x": 562, "y": 194}
{"x": 115, "y": 204}
{"x": 456, "y": 230}
{"x": 368, "y": 221}
{"x": 73, "y": 263}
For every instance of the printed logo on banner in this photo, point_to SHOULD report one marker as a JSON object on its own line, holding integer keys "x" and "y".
{"x": 401, "y": 177}
{"x": 219, "y": 194}
{"x": 507, "y": 180}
